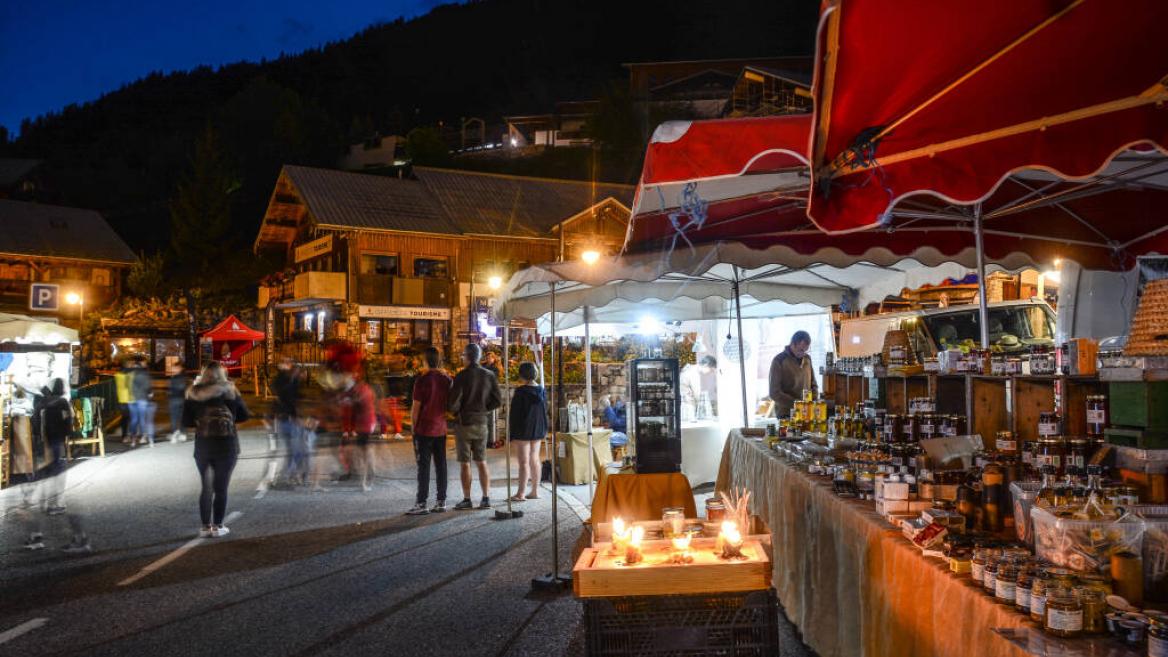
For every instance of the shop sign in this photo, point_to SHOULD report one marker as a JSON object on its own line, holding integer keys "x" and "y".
{"x": 314, "y": 248}
{"x": 403, "y": 312}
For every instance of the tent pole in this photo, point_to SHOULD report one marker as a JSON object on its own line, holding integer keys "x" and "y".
{"x": 507, "y": 408}
{"x": 741, "y": 351}
{"x": 982, "y": 307}
{"x": 553, "y": 581}
{"x": 588, "y": 396}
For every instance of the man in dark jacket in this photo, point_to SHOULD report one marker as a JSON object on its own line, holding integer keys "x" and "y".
{"x": 474, "y": 394}
{"x": 791, "y": 373}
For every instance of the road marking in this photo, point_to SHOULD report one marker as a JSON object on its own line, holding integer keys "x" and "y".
{"x": 173, "y": 556}
{"x": 23, "y": 628}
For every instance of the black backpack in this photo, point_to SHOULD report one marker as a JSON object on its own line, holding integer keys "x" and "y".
{"x": 216, "y": 421}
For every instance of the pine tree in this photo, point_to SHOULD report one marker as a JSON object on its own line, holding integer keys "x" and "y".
{"x": 200, "y": 215}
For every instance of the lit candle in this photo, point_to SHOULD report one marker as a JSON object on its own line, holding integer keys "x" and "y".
{"x": 633, "y": 550}
{"x": 620, "y": 535}
{"x": 681, "y": 549}
{"x": 730, "y": 540}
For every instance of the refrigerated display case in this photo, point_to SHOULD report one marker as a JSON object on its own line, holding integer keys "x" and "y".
{"x": 655, "y": 414}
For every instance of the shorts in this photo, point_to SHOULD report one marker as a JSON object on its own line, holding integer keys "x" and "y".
{"x": 470, "y": 441}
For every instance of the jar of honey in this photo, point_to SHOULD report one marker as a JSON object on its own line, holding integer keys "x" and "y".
{"x": 957, "y": 426}
{"x": 1064, "y": 614}
{"x": 928, "y": 426}
{"x": 1049, "y": 424}
{"x": 1005, "y": 443}
{"x": 908, "y": 429}
{"x": 892, "y": 428}
{"x": 1096, "y": 416}
{"x": 1051, "y": 451}
{"x": 1077, "y": 451}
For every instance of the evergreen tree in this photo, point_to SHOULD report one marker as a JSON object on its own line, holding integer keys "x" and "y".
{"x": 200, "y": 216}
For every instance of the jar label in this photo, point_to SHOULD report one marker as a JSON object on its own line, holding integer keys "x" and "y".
{"x": 1037, "y": 604}
{"x": 1063, "y": 620}
{"x": 1077, "y": 460}
{"x": 1004, "y": 589}
{"x": 977, "y": 571}
{"x": 1022, "y": 597}
{"x": 896, "y": 460}
{"x": 1028, "y": 458}
{"x": 990, "y": 581}
{"x": 1048, "y": 459}
{"x": 1096, "y": 416}
{"x": 1048, "y": 428}
{"x": 1157, "y": 647}
{"x": 1007, "y": 445}
{"x": 927, "y": 428}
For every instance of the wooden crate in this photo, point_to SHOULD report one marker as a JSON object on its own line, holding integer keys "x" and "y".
{"x": 1073, "y": 402}
{"x": 949, "y": 392}
{"x": 989, "y": 412}
{"x": 598, "y": 574}
{"x": 1032, "y": 395}
{"x": 857, "y": 390}
{"x": 1139, "y": 404}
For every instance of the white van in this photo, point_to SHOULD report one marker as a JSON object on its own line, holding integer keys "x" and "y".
{"x": 1015, "y": 326}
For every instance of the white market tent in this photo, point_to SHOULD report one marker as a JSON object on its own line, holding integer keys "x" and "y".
{"x": 29, "y": 330}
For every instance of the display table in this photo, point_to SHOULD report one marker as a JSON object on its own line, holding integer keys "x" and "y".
{"x": 573, "y": 454}
{"x": 701, "y": 451}
{"x": 641, "y": 496}
{"x": 849, "y": 580}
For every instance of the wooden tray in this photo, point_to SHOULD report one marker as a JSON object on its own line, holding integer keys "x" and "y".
{"x": 598, "y": 574}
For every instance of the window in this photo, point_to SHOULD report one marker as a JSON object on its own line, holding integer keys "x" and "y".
{"x": 99, "y": 276}
{"x": 431, "y": 268}
{"x": 1012, "y": 328}
{"x": 381, "y": 265}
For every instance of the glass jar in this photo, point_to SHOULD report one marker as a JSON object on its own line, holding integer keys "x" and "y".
{"x": 1038, "y": 589}
{"x": 1077, "y": 450}
{"x": 957, "y": 425}
{"x": 1022, "y": 590}
{"x": 715, "y": 510}
{"x": 1094, "y": 609}
{"x": 1158, "y": 638}
{"x": 908, "y": 429}
{"x": 1005, "y": 443}
{"x": 892, "y": 428}
{"x": 978, "y": 563}
{"x": 1049, "y": 424}
{"x": 928, "y": 426}
{"x": 989, "y": 578}
{"x": 1096, "y": 416}
{"x": 1052, "y": 452}
{"x": 1006, "y": 582}
{"x": 672, "y": 522}
{"x": 1029, "y": 447}
{"x": 1064, "y": 614}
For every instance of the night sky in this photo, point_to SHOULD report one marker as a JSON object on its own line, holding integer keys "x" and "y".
{"x": 53, "y": 53}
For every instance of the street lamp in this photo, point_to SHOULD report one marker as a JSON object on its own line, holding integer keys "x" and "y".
{"x": 495, "y": 282}
{"x": 590, "y": 257}
{"x": 77, "y": 299}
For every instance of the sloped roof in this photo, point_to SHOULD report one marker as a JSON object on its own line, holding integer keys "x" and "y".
{"x": 801, "y": 78}
{"x": 32, "y": 229}
{"x": 492, "y": 204}
{"x": 12, "y": 170}
{"x": 356, "y": 200}
{"x": 446, "y": 201}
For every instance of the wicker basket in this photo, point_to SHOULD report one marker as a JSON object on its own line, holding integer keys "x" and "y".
{"x": 898, "y": 337}
{"x": 1148, "y": 335}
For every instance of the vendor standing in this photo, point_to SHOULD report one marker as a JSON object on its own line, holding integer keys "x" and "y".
{"x": 791, "y": 373}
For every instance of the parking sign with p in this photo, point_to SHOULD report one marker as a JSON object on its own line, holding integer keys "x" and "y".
{"x": 44, "y": 296}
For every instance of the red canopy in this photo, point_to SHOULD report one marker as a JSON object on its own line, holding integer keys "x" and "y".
{"x": 949, "y": 98}
{"x": 232, "y": 330}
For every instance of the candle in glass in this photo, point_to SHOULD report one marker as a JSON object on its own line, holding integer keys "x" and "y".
{"x": 730, "y": 540}
{"x": 620, "y": 535}
{"x": 633, "y": 549}
{"x": 681, "y": 549}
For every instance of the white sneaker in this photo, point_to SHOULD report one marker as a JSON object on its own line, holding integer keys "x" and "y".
{"x": 220, "y": 531}
{"x": 206, "y": 532}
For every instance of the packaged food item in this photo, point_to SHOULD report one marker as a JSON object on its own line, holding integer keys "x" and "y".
{"x": 1064, "y": 614}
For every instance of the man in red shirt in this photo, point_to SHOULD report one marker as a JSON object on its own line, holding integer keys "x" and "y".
{"x": 428, "y": 418}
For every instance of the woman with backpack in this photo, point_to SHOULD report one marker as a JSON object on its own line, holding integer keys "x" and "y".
{"x": 527, "y": 426}
{"x": 213, "y": 406}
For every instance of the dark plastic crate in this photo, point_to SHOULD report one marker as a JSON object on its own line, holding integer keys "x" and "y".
{"x": 728, "y": 624}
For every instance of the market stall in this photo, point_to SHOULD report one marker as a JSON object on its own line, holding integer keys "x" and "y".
{"x": 33, "y": 353}
{"x": 229, "y": 340}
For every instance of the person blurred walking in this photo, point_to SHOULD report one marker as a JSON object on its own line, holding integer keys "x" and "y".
{"x": 428, "y": 419}
{"x": 141, "y": 419}
{"x": 358, "y": 424}
{"x": 56, "y": 423}
{"x": 213, "y": 407}
{"x": 473, "y": 395}
{"x": 286, "y": 408}
{"x": 527, "y": 427}
{"x": 122, "y": 380}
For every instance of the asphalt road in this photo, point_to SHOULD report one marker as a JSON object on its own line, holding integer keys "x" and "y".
{"x": 338, "y": 572}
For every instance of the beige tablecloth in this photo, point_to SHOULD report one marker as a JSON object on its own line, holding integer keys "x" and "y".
{"x": 851, "y": 582}
{"x": 573, "y": 456}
